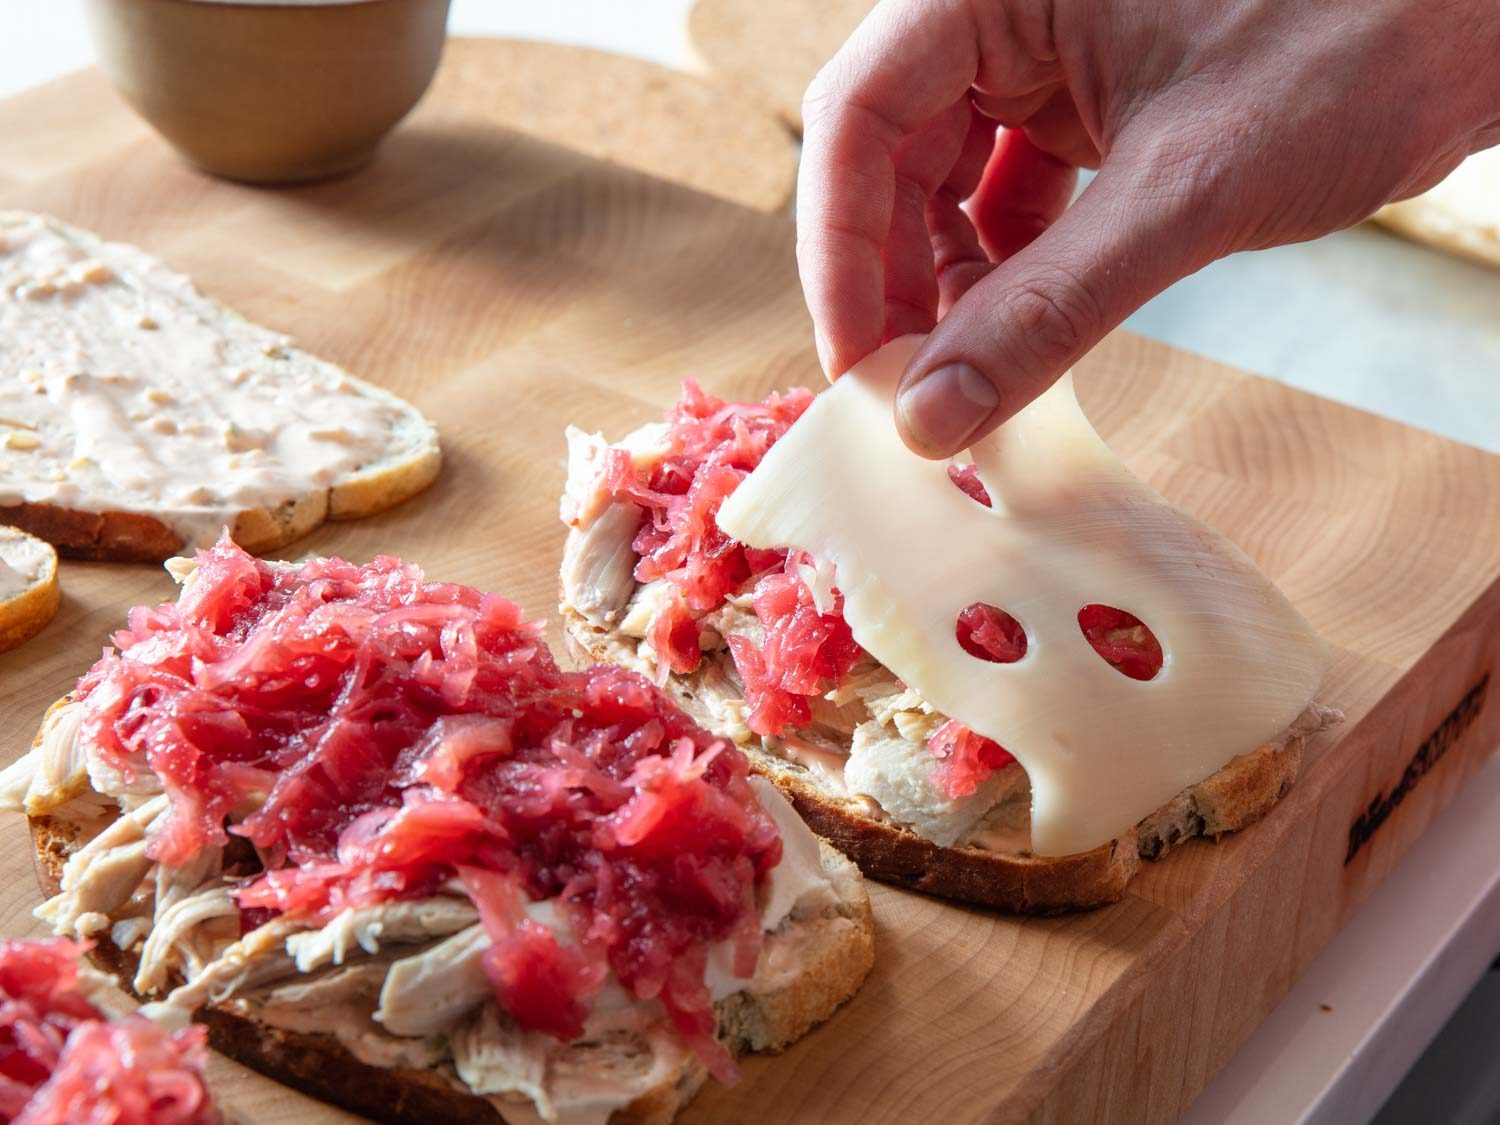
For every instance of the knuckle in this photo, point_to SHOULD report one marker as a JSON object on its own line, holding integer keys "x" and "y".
{"x": 1054, "y": 318}
{"x": 823, "y": 94}
{"x": 1179, "y": 168}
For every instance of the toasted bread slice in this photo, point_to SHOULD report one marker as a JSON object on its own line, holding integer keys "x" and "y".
{"x": 1460, "y": 215}
{"x": 834, "y": 952}
{"x": 29, "y": 594}
{"x": 1007, "y": 879}
{"x": 193, "y": 418}
{"x": 601, "y": 606}
{"x": 835, "y": 958}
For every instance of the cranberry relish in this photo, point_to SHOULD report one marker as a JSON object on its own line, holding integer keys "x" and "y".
{"x": 62, "y": 1062}
{"x": 376, "y": 735}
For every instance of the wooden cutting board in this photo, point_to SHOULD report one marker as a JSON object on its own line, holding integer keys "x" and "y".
{"x": 769, "y": 50}
{"x": 509, "y": 287}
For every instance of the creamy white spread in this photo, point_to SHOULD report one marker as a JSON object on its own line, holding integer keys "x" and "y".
{"x": 23, "y": 561}
{"x": 123, "y": 388}
{"x": 12, "y": 581}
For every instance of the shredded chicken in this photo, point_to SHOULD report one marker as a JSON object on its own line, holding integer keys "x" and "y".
{"x": 428, "y": 991}
{"x": 184, "y": 937}
{"x": 103, "y": 875}
{"x": 351, "y": 984}
{"x": 341, "y": 1002}
{"x": 173, "y": 884}
{"x": 642, "y": 606}
{"x": 623, "y": 1054}
{"x": 598, "y": 565}
{"x": 256, "y": 959}
{"x": 127, "y": 933}
{"x": 366, "y": 927}
{"x": 54, "y": 772}
{"x": 494, "y": 1057}
{"x": 897, "y": 772}
{"x": 131, "y": 786}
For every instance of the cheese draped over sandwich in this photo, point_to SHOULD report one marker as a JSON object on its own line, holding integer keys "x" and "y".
{"x": 1071, "y": 526}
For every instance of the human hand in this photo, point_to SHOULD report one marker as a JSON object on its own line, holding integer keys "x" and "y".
{"x": 1216, "y": 126}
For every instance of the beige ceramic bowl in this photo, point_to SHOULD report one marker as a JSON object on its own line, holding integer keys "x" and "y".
{"x": 271, "y": 92}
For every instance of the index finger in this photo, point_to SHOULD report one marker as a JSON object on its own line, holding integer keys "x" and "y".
{"x": 907, "y": 62}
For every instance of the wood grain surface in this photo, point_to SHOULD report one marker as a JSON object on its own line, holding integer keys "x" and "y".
{"x": 508, "y": 287}
{"x": 651, "y": 118}
{"x": 769, "y": 50}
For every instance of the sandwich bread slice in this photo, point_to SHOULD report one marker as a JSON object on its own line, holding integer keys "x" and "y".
{"x": 753, "y": 644}
{"x": 362, "y": 827}
{"x": 138, "y": 418}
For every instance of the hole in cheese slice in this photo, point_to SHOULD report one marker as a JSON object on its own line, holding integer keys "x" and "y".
{"x": 1122, "y": 640}
{"x": 987, "y": 632}
{"x": 1070, "y": 526}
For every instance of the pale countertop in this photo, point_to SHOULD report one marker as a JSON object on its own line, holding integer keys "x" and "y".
{"x": 1362, "y": 317}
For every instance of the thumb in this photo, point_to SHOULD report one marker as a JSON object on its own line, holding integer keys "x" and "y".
{"x": 1018, "y": 329}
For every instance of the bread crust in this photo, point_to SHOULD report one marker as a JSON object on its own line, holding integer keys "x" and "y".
{"x": 115, "y": 536}
{"x": 27, "y": 614}
{"x": 1418, "y": 220}
{"x": 1237, "y": 795}
{"x": 319, "y": 1065}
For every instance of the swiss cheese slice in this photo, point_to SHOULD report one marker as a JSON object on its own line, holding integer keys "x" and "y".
{"x": 1070, "y": 526}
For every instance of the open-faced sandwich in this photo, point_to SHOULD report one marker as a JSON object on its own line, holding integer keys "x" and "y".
{"x": 1007, "y": 682}
{"x": 138, "y": 417}
{"x": 363, "y": 827}
{"x": 65, "y": 1061}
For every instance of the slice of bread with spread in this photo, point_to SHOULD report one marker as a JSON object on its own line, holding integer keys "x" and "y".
{"x": 29, "y": 594}
{"x": 852, "y": 747}
{"x": 502, "y": 923}
{"x": 139, "y": 418}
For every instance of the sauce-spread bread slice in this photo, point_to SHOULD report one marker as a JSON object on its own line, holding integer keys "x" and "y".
{"x": 139, "y": 418}
{"x": 754, "y": 645}
{"x": 29, "y": 593}
{"x": 391, "y": 854}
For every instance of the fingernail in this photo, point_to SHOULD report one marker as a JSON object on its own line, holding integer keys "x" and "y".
{"x": 943, "y": 408}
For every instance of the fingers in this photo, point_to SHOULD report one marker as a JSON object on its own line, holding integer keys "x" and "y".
{"x": 908, "y": 62}
{"x": 923, "y": 161}
{"x": 1023, "y": 192}
{"x": 1057, "y": 129}
{"x": 1021, "y": 326}
{"x": 958, "y": 259}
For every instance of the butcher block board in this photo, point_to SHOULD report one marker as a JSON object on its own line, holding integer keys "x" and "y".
{"x": 771, "y": 49}
{"x": 509, "y": 288}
